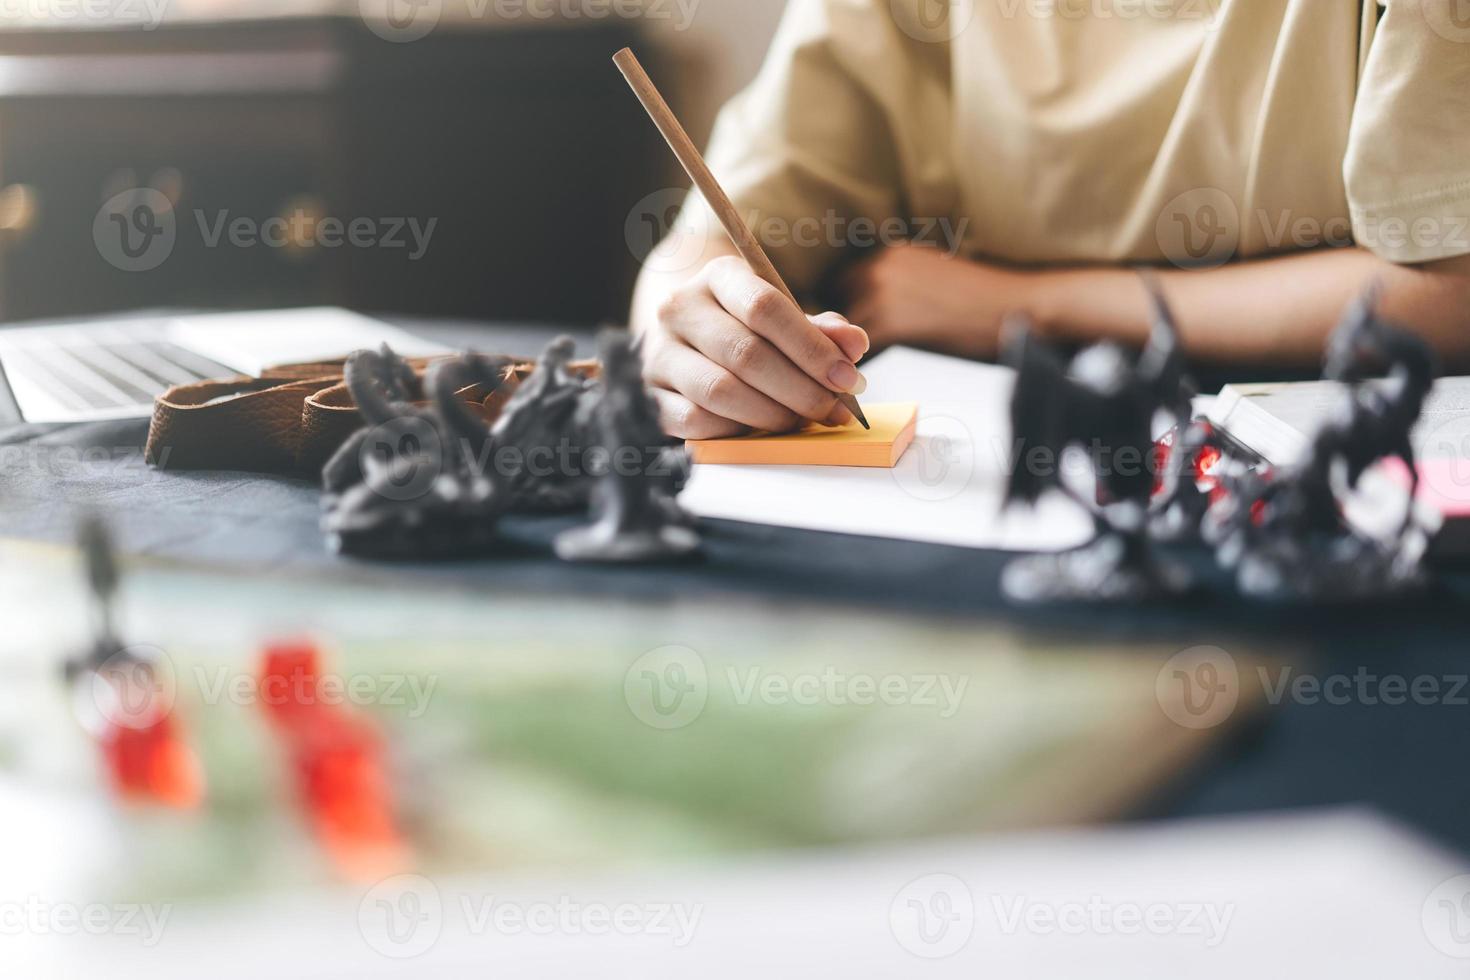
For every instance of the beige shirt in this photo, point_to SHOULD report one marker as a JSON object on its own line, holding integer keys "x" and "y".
{"x": 1077, "y": 131}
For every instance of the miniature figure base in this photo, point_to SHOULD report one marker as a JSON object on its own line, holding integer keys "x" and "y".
{"x": 602, "y": 543}
{"x": 1179, "y": 522}
{"x": 1102, "y": 571}
{"x": 1350, "y": 570}
{"x": 437, "y": 537}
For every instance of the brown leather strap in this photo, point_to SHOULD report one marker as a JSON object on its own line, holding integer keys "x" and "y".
{"x": 250, "y": 424}
{"x": 276, "y": 423}
{"x": 290, "y": 420}
{"x": 328, "y": 417}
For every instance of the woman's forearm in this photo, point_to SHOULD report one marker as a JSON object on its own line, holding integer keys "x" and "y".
{"x": 1279, "y": 309}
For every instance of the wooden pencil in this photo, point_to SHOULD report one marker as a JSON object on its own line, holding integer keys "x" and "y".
{"x": 704, "y": 180}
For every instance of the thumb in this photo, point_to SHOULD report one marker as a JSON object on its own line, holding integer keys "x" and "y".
{"x": 851, "y": 340}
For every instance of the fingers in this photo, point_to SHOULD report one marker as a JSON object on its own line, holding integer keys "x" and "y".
{"x": 852, "y": 340}
{"x": 715, "y": 389}
{"x": 757, "y": 362}
{"x": 682, "y": 419}
{"x": 839, "y": 416}
{"x": 768, "y": 313}
{"x": 727, "y": 353}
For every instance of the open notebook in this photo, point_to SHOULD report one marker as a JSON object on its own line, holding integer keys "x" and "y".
{"x": 1277, "y": 421}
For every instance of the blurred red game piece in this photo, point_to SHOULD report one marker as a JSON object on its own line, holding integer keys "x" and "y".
{"x": 153, "y": 764}
{"x": 337, "y": 764}
{"x": 1201, "y": 467}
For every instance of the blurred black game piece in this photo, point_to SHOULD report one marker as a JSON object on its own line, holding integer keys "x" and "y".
{"x": 635, "y": 517}
{"x": 1283, "y": 531}
{"x": 102, "y": 580}
{"x": 1179, "y": 503}
{"x": 1103, "y": 404}
{"x": 1186, "y": 457}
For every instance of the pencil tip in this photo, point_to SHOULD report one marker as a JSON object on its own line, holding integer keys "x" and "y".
{"x": 850, "y": 403}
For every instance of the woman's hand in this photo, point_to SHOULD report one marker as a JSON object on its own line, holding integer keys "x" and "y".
{"x": 727, "y": 352}
{"x": 912, "y": 294}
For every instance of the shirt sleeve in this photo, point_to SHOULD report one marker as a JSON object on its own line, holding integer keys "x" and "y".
{"x": 1407, "y": 167}
{"x": 807, "y": 152}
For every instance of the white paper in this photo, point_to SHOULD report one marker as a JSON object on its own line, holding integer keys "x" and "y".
{"x": 947, "y": 489}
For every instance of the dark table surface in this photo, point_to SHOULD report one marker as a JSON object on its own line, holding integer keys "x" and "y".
{"x": 1333, "y": 749}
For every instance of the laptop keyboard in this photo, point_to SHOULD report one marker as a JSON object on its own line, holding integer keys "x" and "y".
{"x": 99, "y": 372}
{"x": 90, "y": 370}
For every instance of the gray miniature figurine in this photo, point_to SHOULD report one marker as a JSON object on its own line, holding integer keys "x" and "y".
{"x": 541, "y": 435}
{"x": 384, "y": 388}
{"x": 635, "y": 517}
{"x": 468, "y": 441}
{"x": 413, "y": 483}
{"x": 1283, "y": 531}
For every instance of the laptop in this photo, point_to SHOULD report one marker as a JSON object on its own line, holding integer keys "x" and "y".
{"x": 99, "y": 369}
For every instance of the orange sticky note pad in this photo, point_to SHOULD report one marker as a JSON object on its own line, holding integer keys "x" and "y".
{"x": 816, "y": 445}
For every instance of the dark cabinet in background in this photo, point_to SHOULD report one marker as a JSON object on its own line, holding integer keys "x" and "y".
{"x": 515, "y": 154}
